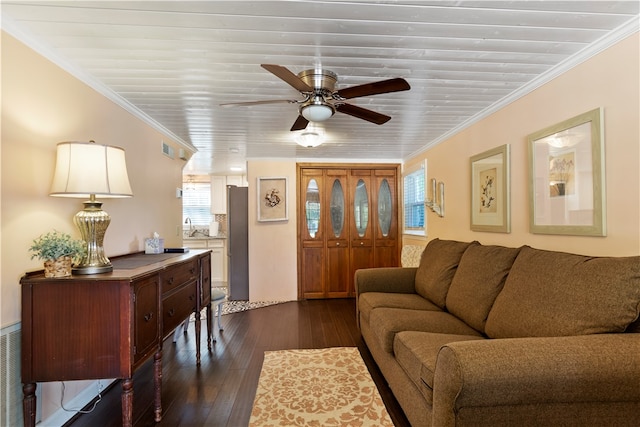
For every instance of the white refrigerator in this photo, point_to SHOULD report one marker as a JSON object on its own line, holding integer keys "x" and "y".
{"x": 238, "y": 242}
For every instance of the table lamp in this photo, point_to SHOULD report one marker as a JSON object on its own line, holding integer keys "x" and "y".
{"x": 87, "y": 169}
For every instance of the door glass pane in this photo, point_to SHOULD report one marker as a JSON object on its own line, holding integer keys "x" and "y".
{"x": 384, "y": 207}
{"x": 337, "y": 208}
{"x": 361, "y": 208}
{"x": 312, "y": 207}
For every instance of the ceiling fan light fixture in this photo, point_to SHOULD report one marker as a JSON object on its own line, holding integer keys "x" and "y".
{"x": 309, "y": 138}
{"x": 318, "y": 110}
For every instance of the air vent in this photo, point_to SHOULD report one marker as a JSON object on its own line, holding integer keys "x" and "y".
{"x": 167, "y": 150}
{"x": 10, "y": 382}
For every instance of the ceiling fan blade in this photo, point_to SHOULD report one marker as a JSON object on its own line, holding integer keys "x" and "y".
{"x": 249, "y": 103}
{"x": 363, "y": 113}
{"x": 367, "y": 89}
{"x": 299, "y": 124}
{"x": 288, "y": 76}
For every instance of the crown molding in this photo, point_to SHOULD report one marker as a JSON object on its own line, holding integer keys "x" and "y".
{"x": 15, "y": 30}
{"x": 622, "y": 32}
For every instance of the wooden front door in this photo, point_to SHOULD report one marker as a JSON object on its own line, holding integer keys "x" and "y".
{"x": 347, "y": 219}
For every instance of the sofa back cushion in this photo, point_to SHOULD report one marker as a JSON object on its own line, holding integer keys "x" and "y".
{"x": 479, "y": 279}
{"x": 551, "y": 293}
{"x": 437, "y": 266}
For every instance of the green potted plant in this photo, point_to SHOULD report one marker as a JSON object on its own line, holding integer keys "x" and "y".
{"x": 58, "y": 251}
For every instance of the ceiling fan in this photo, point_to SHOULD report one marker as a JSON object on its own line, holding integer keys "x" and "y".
{"x": 321, "y": 100}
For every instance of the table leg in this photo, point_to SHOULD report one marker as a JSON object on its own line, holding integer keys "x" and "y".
{"x": 157, "y": 385}
{"x": 29, "y": 404}
{"x": 198, "y": 328}
{"x": 127, "y": 402}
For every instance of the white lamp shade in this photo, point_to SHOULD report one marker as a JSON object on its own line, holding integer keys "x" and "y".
{"x": 317, "y": 112}
{"x": 85, "y": 168}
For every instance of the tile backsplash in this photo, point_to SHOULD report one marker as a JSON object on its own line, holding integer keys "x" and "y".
{"x": 222, "y": 220}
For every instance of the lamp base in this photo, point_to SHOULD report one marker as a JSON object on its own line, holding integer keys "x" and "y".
{"x": 91, "y": 269}
{"x": 92, "y": 222}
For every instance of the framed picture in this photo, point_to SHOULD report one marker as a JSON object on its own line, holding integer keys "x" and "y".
{"x": 273, "y": 199}
{"x": 490, "y": 190}
{"x": 566, "y": 177}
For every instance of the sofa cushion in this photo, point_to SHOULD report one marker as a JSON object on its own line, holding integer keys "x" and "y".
{"x": 387, "y": 322}
{"x": 437, "y": 266}
{"x": 552, "y": 293}
{"x": 370, "y": 300}
{"x": 416, "y": 353}
{"x": 479, "y": 279}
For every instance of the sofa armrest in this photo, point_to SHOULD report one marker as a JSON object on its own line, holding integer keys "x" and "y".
{"x": 540, "y": 377}
{"x": 386, "y": 279}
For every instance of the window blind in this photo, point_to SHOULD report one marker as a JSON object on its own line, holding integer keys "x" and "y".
{"x": 414, "y": 201}
{"x": 196, "y": 203}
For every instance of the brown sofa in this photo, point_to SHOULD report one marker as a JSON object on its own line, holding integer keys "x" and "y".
{"x": 495, "y": 336}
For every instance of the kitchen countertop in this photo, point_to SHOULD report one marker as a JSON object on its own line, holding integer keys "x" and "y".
{"x": 201, "y": 237}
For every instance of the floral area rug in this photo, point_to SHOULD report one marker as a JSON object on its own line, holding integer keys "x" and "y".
{"x": 319, "y": 387}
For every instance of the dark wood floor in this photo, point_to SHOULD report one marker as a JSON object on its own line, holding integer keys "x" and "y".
{"x": 221, "y": 391}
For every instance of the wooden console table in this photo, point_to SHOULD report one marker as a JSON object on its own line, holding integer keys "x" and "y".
{"x": 107, "y": 325}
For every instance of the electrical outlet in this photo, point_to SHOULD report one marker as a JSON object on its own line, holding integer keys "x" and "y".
{"x": 100, "y": 386}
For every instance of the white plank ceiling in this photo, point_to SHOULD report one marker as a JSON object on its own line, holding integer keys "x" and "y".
{"x": 174, "y": 62}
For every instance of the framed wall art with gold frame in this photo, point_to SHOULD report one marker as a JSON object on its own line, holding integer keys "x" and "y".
{"x": 490, "y": 190}
{"x": 567, "y": 178}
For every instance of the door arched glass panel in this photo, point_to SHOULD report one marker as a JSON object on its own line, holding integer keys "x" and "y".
{"x": 337, "y": 208}
{"x": 361, "y": 208}
{"x": 312, "y": 208}
{"x": 384, "y": 207}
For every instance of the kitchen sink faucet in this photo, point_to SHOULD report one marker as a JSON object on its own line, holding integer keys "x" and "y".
{"x": 192, "y": 231}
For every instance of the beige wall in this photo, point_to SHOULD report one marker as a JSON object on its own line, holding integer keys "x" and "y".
{"x": 41, "y": 106}
{"x": 272, "y": 245}
{"x": 609, "y": 80}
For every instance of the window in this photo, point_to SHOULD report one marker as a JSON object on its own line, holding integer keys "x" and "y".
{"x": 413, "y": 186}
{"x": 196, "y": 203}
